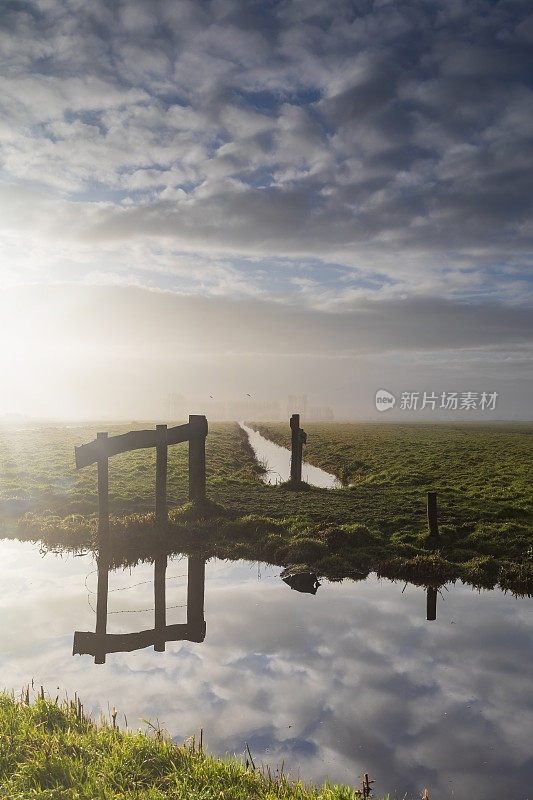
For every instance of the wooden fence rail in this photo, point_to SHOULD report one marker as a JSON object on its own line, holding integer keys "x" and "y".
{"x": 105, "y": 446}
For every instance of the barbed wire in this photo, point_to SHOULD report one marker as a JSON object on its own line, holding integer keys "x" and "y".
{"x": 133, "y": 585}
{"x": 135, "y": 610}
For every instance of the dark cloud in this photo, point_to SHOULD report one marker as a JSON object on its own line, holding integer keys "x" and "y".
{"x": 312, "y": 128}
{"x": 110, "y": 315}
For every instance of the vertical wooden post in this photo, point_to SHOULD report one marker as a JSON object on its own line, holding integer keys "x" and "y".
{"x": 103, "y": 493}
{"x": 431, "y": 604}
{"x": 432, "y": 514}
{"x": 160, "y": 607}
{"x": 197, "y": 457}
{"x": 296, "y": 451}
{"x": 161, "y": 512}
{"x": 303, "y": 440}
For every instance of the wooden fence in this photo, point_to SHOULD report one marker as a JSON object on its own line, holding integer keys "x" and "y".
{"x": 103, "y": 447}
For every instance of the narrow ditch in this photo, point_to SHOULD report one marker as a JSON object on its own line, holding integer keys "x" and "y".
{"x": 277, "y": 463}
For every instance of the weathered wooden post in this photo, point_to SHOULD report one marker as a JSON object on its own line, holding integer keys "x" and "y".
{"x": 303, "y": 439}
{"x": 296, "y": 451}
{"x": 432, "y": 514}
{"x": 161, "y": 512}
{"x": 103, "y": 490}
{"x": 198, "y": 424}
{"x": 160, "y": 609}
{"x": 431, "y": 604}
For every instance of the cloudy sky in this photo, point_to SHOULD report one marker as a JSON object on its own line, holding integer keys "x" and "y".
{"x": 229, "y": 196}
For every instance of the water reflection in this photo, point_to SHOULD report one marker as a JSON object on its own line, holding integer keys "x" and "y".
{"x": 431, "y": 604}
{"x": 349, "y": 680}
{"x": 306, "y": 582}
{"x": 100, "y": 643}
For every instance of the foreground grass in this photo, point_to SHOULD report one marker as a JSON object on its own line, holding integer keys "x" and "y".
{"x": 53, "y": 752}
{"x": 481, "y": 474}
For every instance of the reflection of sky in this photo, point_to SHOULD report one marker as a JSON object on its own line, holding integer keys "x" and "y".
{"x": 353, "y": 679}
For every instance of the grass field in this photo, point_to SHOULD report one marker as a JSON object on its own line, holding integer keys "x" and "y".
{"x": 37, "y": 469}
{"x": 481, "y": 474}
{"x": 48, "y": 750}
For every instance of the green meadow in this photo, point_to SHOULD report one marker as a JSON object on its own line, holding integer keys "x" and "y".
{"x": 481, "y": 474}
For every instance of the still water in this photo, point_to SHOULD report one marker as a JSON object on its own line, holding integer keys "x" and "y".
{"x": 353, "y": 678}
{"x": 277, "y": 462}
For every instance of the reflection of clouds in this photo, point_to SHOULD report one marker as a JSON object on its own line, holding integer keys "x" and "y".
{"x": 353, "y": 679}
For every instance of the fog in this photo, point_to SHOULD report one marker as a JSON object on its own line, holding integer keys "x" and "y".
{"x": 80, "y": 352}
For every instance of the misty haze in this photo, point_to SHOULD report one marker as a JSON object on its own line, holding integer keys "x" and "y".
{"x": 265, "y": 399}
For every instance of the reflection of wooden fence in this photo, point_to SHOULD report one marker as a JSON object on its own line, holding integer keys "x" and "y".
{"x": 103, "y": 447}
{"x": 100, "y": 643}
{"x": 298, "y": 439}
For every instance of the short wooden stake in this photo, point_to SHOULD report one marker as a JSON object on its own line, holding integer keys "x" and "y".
{"x": 366, "y": 786}
{"x": 161, "y": 511}
{"x": 197, "y": 458}
{"x": 432, "y": 514}
{"x": 103, "y": 493}
{"x": 296, "y": 451}
{"x": 431, "y": 604}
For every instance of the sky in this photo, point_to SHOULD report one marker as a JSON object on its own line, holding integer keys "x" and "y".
{"x": 229, "y": 197}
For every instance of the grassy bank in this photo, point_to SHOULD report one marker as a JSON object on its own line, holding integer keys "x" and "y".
{"x": 52, "y": 751}
{"x": 378, "y": 523}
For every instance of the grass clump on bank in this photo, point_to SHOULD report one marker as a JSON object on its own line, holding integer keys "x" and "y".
{"x": 331, "y": 550}
{"x": 50, "y": 750}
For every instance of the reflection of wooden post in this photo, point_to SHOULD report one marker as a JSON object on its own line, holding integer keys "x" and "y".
{"x": 103, "y": 492}
{"x": 197, "y": 457}
{"x": 160, "y": 613}
{"x": 296, "y": 451}
{"x": 432, "y": 514}
{"x": 431, "y": 604}
{"x": 101, "y": 604}
{"x": 195, "y": 590}
{"x": 161, "y": 513}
